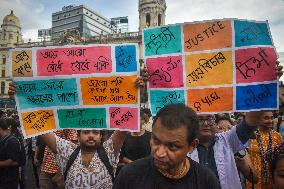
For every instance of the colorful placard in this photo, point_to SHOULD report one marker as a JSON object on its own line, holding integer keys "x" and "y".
{"x": 22, "y": 63}
{"x": 77, "y": 87}
{"x": 216, "y": 66}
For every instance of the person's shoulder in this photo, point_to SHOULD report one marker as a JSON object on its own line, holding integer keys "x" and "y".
{"x": 138, "y": 166}
{"x": 64, "y": 144}
{"x": 204, "y": 175}
{"x": 277, "y": 135}
{"x": 201, "y": 170}
{"x": 13, "y": 139}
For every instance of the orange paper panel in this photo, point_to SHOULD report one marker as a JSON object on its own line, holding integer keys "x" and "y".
{"x": 207, "y": 36}
{"x": 109, "y": 90}
{"x": 22, "y": 63}
{"x": 209, "y": 69}
{"x": 211, "y": 99}
{"x": 38, "y": 121}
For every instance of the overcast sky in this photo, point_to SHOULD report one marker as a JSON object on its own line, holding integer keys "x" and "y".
{"x": 36, "y": 14}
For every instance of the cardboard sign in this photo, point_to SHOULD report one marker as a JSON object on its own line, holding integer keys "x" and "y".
{"x": 77, "y": 87}
{"x": 213, "y": 66}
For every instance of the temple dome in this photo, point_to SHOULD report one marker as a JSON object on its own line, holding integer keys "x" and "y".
{"x": 11, "y": 19}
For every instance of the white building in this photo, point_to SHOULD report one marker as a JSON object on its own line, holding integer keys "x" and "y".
{"x": 10, "y": 37}
{"x": 81, "y": 18}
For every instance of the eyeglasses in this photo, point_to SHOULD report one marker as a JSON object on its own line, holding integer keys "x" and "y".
{"x": 209, "y": 122}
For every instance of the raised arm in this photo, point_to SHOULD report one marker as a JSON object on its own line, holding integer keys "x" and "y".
{"x": 246, "y": 167}
{"x": 245, "y": 130}
{"x": 118, "y": 139}
{"x": 50, "y": 141}
{"x": 8, "y": 163}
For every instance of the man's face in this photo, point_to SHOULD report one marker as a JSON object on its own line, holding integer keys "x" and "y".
{"x": 169, "y": 147}
{"x": 266, "y": 120}
{"x": 279, "y": 175}
{"x": 207, "y": 125}
{"x": 89, "y": 138}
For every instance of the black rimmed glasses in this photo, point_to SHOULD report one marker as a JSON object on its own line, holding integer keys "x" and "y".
{"x": 210, "y": 121}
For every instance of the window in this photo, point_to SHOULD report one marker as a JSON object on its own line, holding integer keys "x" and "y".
{"x": 3, "y": 74}
{"x": 2, "y": 87}
{"x": 4, "y": 37}
{"x": 58, "y": 17}
{"x": 159, "y": 19}
{"x": 148, "y": 19}
{"x": 18, "y": 36}
{"x": 4, "y": 60}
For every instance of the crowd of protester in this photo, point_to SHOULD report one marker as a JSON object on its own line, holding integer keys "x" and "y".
{"x": 251, "y": 165}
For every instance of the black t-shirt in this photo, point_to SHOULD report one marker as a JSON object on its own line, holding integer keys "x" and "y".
{"x": 142, "y": 174}
{"x": 136, "y": 147}
{"x": 9, "y": 149}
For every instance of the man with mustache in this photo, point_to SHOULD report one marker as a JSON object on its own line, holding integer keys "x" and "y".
{"x": 87, "y": 169}
{"x": 174, "y": 135}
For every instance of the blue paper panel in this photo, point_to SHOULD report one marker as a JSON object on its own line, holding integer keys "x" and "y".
{"x": 256, "y": 96}
{"x": 159, "y": 99}
{"x": 163, "y": 40}
{"x": 251, "y": 33}
{"x": 125, "y": 57}
{"x": 46, "y": 93}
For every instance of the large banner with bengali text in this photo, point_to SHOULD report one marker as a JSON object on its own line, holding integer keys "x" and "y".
{"x": 76, "y": 87}
{"x": 212, "y": 66}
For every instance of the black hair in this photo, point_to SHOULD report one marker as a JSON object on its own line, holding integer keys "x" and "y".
{"x": 142, "y": 113}
{"x": 147, "y": 111}
{"x": 238, "y": 114}
{"x": 3, "y": 124}
{"x": 174, "y": 116}
{"x": 223, "y": 117}
{"x": 101, "y": 132}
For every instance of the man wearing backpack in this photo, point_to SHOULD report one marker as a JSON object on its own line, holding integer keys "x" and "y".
{"x": 89, "y": 165}
{"x": 9, "y": 158}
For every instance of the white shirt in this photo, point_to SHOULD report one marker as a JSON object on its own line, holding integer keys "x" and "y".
{"x": 81, "y": 177}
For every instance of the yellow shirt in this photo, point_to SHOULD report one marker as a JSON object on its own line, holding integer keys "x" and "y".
{"x": 255, "y": 155}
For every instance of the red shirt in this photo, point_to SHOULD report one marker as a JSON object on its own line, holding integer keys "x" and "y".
{"x": 49, "y": 164}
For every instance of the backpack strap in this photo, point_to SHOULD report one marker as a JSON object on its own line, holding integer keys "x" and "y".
{"x": 104, "y": 158}
{"x": 70, "y": 161}
{"x": 102, "y": 155}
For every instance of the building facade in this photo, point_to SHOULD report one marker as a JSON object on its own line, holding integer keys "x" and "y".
{"x": 44, "y": 34}
{"x": 10, "y": 37}
{"x": 151, "y": 13}
{"x": 82, "y": 19}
